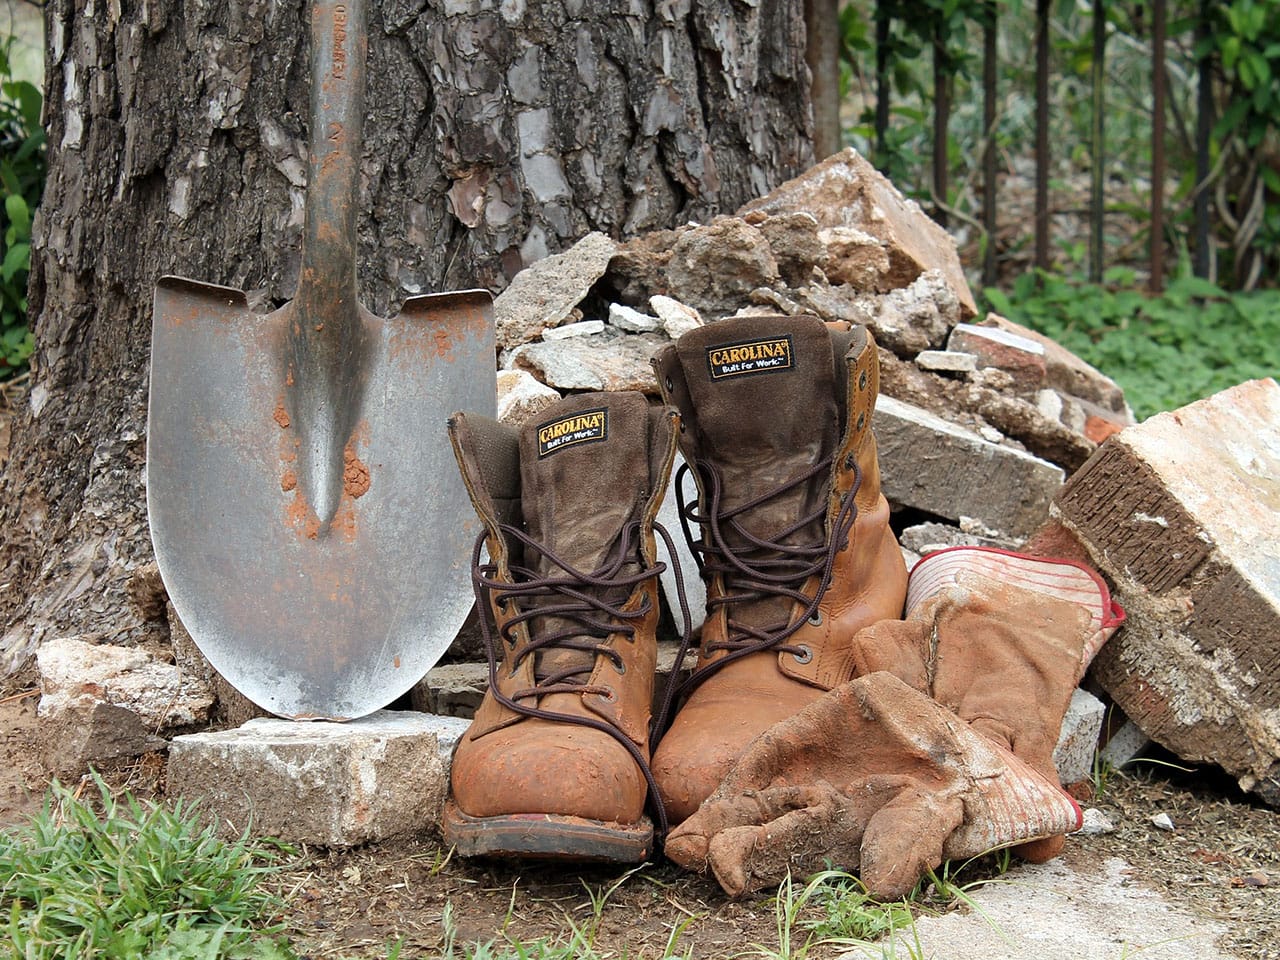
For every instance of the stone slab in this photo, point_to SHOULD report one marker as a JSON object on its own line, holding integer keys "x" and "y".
{"x": 933, "y": 465}
{"x": 1068, "y": 907}
{"x": 332, "y": 784}
{"x": 1182, "y": 513}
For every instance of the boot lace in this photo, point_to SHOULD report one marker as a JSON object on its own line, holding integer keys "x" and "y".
{"x": 588, "y": 606}
{"x": 755, "y": 568}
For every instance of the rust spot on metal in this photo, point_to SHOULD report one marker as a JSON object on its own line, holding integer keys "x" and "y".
{"x": 355, "y": 473}
{"x": 395, "y": 662}
{"x": 281, "y": 416}
{"x": 444, "y": 345}
{"x": 288, "y": 481}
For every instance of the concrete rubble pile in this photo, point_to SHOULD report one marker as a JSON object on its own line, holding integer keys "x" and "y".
{"x": 989, "y": 434}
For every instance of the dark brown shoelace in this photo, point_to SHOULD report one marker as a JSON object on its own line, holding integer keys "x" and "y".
{"x": 588, "y": 603}
{"x": 762, "y": 567}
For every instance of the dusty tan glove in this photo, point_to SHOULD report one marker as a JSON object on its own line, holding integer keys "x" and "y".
{"x": 1002, "y": 640}
{"x": 874, "y": 776}
{"x": 880, "y": 776}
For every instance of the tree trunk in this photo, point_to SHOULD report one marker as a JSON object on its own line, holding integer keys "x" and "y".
{"x": 496, "y": 132}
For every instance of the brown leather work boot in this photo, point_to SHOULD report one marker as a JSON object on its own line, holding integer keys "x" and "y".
{"x": 556, "y": 761}
{"x": 795, "y": 545}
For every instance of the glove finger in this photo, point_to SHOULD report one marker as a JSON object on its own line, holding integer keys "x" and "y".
{"x": 749, "y": 858}
{"x": 900, "y": 647}
{"x": 1041, "y": 851}
{"x": 688, "y": 844}
{"x": 904, "y": 840}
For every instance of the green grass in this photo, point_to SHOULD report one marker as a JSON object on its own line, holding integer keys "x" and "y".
{"x": 132, "y": 879}
{"x": 1165, "y": 351}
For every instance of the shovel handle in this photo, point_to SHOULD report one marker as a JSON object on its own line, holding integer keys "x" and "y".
{"x": 327, "y": 282}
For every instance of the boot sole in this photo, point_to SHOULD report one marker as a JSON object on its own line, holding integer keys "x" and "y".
{"x": 544, "y": 836}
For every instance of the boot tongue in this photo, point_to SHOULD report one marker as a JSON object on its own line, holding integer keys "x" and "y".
{"x": 584, "y": 475}
{"x": 764, "y": 389}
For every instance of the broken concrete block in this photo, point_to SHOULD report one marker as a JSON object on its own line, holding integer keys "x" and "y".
{"x": 793, "y": 241}
{"x": 101, "y": 702}
{"x": 677, "y": 318}
{"x": 579, "y": 328}
{"x": 1078, "y": 741}
{"x": 1021, "y": 357}
{"x": 1182, "y": 513}
{"x": 521, "y": 396}
{"x": 845, "y": 190}
{"x": 1124, "y": 745}
{"x": 854, "y": 258}
{"x": 925, "y": 538}
{"x": 916, "y": 317}
{"x": 544, "y": 294}
{"x": 606, "y": 361}
{"x": 716, "y": 266}
{"x": 632, "y": 320}
{"x": 333, "y": 784}
{"x": 946, "y": 361}
{"x": 936, "y": 466}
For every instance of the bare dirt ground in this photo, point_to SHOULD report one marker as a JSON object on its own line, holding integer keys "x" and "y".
{"x": 1221, "y": 862}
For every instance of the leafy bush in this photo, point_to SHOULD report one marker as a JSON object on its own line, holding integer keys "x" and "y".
{"x": 1165, "y": 351}
{"x": 22, "y": 174}
{"x": 137, "y": 880}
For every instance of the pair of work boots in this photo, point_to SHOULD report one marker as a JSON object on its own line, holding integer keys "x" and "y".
{"x": 773, "y": 416}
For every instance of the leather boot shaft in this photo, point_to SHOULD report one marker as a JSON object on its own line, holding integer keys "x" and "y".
{"x": 570, "y": 597}
{"x": 792, "y": 528}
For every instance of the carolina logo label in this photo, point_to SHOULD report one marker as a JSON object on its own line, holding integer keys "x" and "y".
{"x": 766, "y": 355}
{"x": 589, "y": 426}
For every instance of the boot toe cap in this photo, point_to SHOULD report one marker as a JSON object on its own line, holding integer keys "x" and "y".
{"x": 555, "y": 769}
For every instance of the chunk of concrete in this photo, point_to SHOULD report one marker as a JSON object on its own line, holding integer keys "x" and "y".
{"x": 607, "y": 361}
{"x": 545, "y": 293}
{"x": 332, "y": 784}
{"x": 521, "y": 396}
{"x": 845, "y": 190}
{"x": 1078, "y": 741}
{"x": 944, "y": 469}
{"x": 677, "y": 318}
{"x": 580, "y": 328}
{"x": 632, "y": 320}
{"x": 1182, "y": 513}
{"x": 101, "y": 702}
{"x": 946, "y": 361}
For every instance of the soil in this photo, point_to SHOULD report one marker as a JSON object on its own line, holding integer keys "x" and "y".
{"x": 1220, "y": 862}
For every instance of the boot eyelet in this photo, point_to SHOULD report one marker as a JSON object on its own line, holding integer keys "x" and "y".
{"x": 816, "y": 618}
{"x": 609, "y": 695}
{"x": 670, "y": 384}
{"x": 862, "y": 381}
{"x": 621, "y": 668}
{"x": 850, "y": 461}
{"x": 804, "y": 655}
{"x": 862, "y": 419}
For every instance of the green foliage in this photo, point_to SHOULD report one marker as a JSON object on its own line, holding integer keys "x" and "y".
{"x": 1165, "y": 351}
{"x": 22, "y": 174}
{"x": 136, "y": 880}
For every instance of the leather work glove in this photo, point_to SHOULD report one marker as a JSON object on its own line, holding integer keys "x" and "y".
{"x": 941, "y": 749}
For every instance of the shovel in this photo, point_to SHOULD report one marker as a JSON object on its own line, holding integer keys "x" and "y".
{"x": 308, "y": 519}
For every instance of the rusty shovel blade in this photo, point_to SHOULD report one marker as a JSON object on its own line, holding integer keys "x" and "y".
{"x": 308, "y": 519}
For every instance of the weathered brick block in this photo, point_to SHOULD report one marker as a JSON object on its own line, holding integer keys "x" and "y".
{"x": 333, "y": 784}
{"x": 1182, "y": 512}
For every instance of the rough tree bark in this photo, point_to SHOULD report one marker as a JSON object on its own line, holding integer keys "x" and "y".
{"x": 497, "y": 131}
